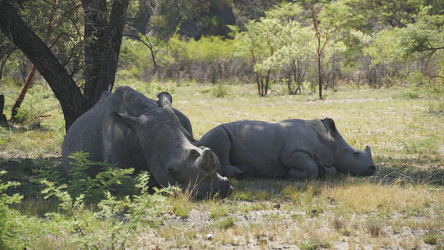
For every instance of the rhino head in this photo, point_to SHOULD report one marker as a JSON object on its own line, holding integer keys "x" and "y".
{"x": 161, "y": 145}
{"x": 346, "y": 158}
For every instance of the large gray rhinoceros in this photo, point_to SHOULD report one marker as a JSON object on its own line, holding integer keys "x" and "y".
{"x": 130, "y": 130}
{"x": 290, "y": 149}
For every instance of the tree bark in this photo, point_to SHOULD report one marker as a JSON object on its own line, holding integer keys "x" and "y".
{"x": 61, "y": 83}
{"x": 103, "y": 36}
{"x": 21, "y": 97}
{"x": 49, "y": 30}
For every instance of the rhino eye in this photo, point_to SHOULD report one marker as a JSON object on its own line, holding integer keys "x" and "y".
{"x": 192, "y": 154}
{"x": 171, "y": 171}
{"x": 356, "y": 152}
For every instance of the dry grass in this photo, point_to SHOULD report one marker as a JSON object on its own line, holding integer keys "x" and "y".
{"x": 401, "y": 206}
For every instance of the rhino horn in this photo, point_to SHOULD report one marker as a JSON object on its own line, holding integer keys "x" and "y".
{"x": 206, "y": 162}
{"x": 165, "y": 100}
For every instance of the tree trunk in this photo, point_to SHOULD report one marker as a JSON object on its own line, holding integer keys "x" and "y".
{"x": 319, "y": 75}
{"x": 103, "y": 36}
{"x": 61, "y": 83}
{"x": 49, "y": 30}
{"x": 21, "y": 97}
{"x": 3, "y": 120}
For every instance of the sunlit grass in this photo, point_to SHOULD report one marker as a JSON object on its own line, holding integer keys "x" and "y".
{"x": 400, "y": 206}
{"x": 371, "y": 197}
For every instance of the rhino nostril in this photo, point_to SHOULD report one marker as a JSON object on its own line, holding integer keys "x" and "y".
{"x": 170, "y": 170}
{"x": 371, "y": 170}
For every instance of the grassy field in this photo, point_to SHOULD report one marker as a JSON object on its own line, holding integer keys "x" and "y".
{"x": 400, "y": 207}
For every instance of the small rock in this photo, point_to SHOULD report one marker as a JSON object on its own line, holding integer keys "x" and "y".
{"x": 209, "y": 236}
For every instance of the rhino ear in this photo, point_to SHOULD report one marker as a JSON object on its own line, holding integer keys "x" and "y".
{"x": 123, "y": 119}
{"x": 329, "y": 124}
{"x": 165, "y": 100}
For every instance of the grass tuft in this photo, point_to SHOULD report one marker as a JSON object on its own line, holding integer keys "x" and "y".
{"x": 431, "y": 238}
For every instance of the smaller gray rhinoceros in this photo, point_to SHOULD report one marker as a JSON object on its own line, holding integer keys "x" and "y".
{"x": 127, "y": 129}
{"x": 288, "y": 149}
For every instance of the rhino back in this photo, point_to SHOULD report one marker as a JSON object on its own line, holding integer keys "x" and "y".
{"x": 85, "y": 133}
{"x": 308, "y": 136}
{"x": 131, "y": 102}
{"x": 96, "y": 133}
{"x": 135, "y": 102}
{"x": 256, "y": 147}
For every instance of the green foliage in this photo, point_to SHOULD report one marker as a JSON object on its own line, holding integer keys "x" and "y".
{"x": 181, "y": 209}
{"x": 384, "y": 48}
{"x": 219, "y": 211}
{"x": 93, "y": 189}
{"x": 220, "y": 90}
{"x": 7, "y": 216}
{"x": 311, "y": 244}
{"x": 5, "y": 137}
{"x": 225, "y": 222}
{"x": 34, "y": 105}
{"x": 174, "y": 13}
{"x": 365, "y": 39}
{"x": 382, "y": 14}
{"x": 157, "y": 87}
{"x": 291, "y": 192}
{"x": 432, "y": 238}
{"x": 206, "y": 49}
{"x": 404, "y": 194}
{"x": 118, "y": 218}
{"x": 145, "y": 205}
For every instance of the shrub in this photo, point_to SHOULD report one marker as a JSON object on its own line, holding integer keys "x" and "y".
{"x": 225, "y": 223}
{"x": 115, "y": 219}
{"x": 431, "y": 238}
{"x": 220, "y": 90}
{"x": 94, "y": 189}
{"x": 7, "y": 215}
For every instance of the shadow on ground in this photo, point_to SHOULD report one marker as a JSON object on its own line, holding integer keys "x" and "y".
{"x": 28, "y": 172}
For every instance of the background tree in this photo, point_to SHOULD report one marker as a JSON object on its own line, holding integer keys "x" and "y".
{"x": 322, "y": 37}
{"x": 258, "y": 43}
{"x": 400, "y": 51}
{"x": 53, "y": 23}
{"x": 104, "y": 23}
{"x": 293, "y": 46}
{"x": 381, "y": 13}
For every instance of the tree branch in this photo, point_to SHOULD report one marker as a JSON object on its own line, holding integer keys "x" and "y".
{"x": 63, "y": 86}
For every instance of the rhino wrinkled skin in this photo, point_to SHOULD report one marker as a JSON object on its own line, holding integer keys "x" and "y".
{"x": 292, "y": 148}
{"x": 129, "y": 130}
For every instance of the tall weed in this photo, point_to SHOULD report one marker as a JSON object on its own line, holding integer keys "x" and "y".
{"x": 94, "y": 189}
{"x": 7, "y": 216}
{"x": 115, "y": 220}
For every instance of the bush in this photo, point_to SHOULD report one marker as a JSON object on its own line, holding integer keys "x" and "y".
{"x": 115, "y": 220}
{"x": 7, "y": 215}
{"x": 220, "y": 90}
{"x": 94, "y": 189}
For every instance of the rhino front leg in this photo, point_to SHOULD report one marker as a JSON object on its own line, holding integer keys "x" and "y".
{"x": 219, "y": 142}
{"x": 301, "y": 165}
{"x": 325, "y": 171}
